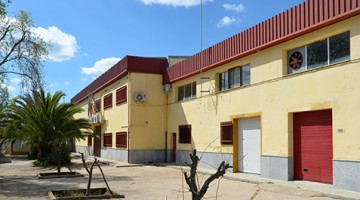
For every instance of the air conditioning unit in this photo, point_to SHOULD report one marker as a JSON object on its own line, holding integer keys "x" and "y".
{"x": 139, "y": 97}
{"x": 167, "y": 88}
{"x": 96, "y": 119}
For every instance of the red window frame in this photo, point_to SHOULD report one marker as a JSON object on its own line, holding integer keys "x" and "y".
{"x": 226, "y": 132}
{"x": 89, "y": 140}
{"x": 97, "y": 105}
{"x": 107, "y": 139}
{"x": 108, "y": 101}
{"x": 121, "y": 95}
{"x": 185, "y": 134}
{"x": 121, "y": 139}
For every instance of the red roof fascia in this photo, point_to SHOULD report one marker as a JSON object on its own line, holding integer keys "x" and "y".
{"x": 119, "y": 70}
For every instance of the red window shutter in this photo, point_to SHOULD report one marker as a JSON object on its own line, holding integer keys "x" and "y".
{"x": 97, "y": 105}
{"x": 108, "y": 101}
{"x": 226, "y": 131}
{"x": 185, "y": 134}
{"x": 121, "y": 139}
{"x": 121, "y": 95}
{"x": 107, "y": 139}
{"x": 89, "y": 138}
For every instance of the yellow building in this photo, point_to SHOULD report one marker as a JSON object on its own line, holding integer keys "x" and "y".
{"x": 127, "y": 112}
{"x": 278, "y": 99}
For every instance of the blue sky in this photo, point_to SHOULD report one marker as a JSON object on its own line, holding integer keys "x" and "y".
{"x": 89, "y": 36}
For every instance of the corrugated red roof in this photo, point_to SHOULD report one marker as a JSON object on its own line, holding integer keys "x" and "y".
{"x": 119, "y": 70}
{"x": 301, "y": 19}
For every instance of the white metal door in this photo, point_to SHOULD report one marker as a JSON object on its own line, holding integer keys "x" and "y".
{"x": 249, "y": 145}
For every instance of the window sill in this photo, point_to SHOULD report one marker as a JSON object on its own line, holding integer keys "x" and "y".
{"x": 232, "y": 89}
{"x": 319, "y": 68}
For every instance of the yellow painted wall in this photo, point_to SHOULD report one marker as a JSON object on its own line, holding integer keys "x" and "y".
{"x": 148, "y": 119}
{"x": 82, "y": 105}
{"x": 275, "y": 96}
{"x": 116, "y": 117}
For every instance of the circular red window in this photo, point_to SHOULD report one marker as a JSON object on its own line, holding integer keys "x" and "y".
{"x": 295, "y": 60}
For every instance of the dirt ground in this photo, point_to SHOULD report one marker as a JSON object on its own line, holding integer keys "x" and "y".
{"x": 18, "y": 180}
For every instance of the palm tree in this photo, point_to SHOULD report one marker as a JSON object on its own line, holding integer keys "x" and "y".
{"x": 41, "y": 120}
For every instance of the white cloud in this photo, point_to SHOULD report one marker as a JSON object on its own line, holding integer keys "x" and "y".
{"x": 66, "y": 83}
{"x": 233, "y": 7}
{"x": 225, "y": 21}
{"x": 100, "y": 67}
{"x": 10, "y": 88}
{"x": 64, "y": 45}
{"x": 16, "y": 80}
{"x": 175, "y": 3}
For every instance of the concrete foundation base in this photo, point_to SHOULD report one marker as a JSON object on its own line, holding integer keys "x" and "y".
{"x": 147, "y": 156}
{"x": 209, "y": 160}
{"x": 347, "y": 175}
{"x": 281, "y": 168}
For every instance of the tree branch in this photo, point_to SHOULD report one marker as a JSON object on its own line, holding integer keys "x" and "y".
{"x": 12, "y": 49}
{"x": 83, "y": 161}
{"x": 17, "y": 73}
{"x": 220, "y": 172}
{"x": 102, "y": 173}
{"x": 5, "y": 33}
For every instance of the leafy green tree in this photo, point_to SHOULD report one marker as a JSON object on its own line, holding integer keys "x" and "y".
{"x": 41, "y": 120}
{"x": 22, "y": 52}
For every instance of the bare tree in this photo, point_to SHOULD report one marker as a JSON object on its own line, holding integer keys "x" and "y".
{"x": 198, "y": 192}
{"x": 90, "y": 172}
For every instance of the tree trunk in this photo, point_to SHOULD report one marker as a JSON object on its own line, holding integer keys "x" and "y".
{"x": 59, "y": 159}
{"x": 191, "y": 179}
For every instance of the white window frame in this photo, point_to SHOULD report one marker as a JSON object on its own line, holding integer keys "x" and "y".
{"x": 304, "y": 65}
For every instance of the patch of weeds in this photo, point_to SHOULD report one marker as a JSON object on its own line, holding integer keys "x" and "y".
{"x": 38, "y": 163}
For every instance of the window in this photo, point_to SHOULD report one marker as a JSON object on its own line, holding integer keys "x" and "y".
{"x": 121, "y": 139}
{"x": 234, "y": 77}
{"x": 226, "y": 131}
{"x": 339, "y": 47}
{"x": 321, "y": 53}
{"x": 107, "y": 139}
{"x": 97, "y": 105}
{"x": 187, "y": 91}
{"x": 121, "y": 95}
{"x": 89, "y": 140}
{"x": 108, "y": 101}
{"x": 185, "y": 134}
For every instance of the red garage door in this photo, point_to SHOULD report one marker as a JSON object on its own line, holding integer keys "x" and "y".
{"x": 313, "y": 149}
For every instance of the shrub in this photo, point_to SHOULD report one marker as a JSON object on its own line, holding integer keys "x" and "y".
{"x": 51, "y": 158}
